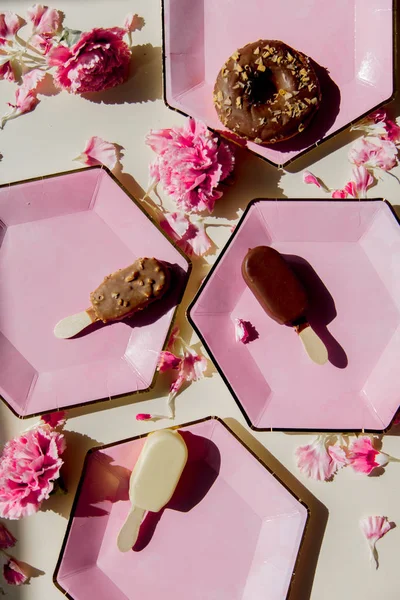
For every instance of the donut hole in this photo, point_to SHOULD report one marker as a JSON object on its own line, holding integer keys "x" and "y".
{"x": 261, "y": 87}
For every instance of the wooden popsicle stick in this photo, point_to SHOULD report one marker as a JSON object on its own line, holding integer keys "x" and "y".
{"x": 313, "y": 345}
{"x": 72, "y": 325}
{"x": 130, "y": 529}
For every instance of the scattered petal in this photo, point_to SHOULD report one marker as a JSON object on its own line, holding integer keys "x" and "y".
{"x": 14, "y": 573}
{"x": 373, "y": 152}
{"x": 7, "y": 540}
{"x": 167, "y": 361}
{"x": 189, "y": 234}
{"x": 45, "y": 20}
{"x": 362, "y": 181}
{"x": 310, "y": 178}
{"x": 363, "y": 457}
{"x": 374, "y": 528}
{"x": 242, "y": 333}
{"x": 10, "y": 24}
{"x": 173, "y": 337}
{"x": 99, "y": 152}
{"x": 339, "y": 194}
{"x": 133, "y": 23}
{"x": 191, "y": 368}
{"x": 191, "y": 163}
{"x": 144, "y": 417}
{"x": 55, "y": 419}
{"x": 320, "y": 460}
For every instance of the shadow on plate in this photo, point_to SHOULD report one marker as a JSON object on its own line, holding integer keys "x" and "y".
{"x": 303, "y": 578}
{"x": 322, "y": 309}
{"x": 156, "y": 309}
{"x": 144, "y": 83}
{"x": 198, "y": 476}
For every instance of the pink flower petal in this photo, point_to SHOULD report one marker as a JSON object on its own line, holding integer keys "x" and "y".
{"x": 339, "y": 194}
{"x": 143, "y": 417}
{"x": 173, "y": 336}
{"x": 311, "y": 179}
{"x": 167, "y": 361}
{"x": 320, "y": 460}
{"x": 374, "y": 528}
{"x": 10, "y": 24}
{"x": 31, "y": 80}
{"x": 242, "y": 332}
{"x": 14, "y": 573}
{"x": 192, "y": 368}
{"x": 133, "y": 23}
{"x": 55, "y": 419}
{"x": 7, "y": 540}
{"x": 45, "y": 20}
{"x": 99, "y": 152}
{"x": 362, "y": 181}
{"x": 373, "y": 152}
{"x": 363, "y": 457}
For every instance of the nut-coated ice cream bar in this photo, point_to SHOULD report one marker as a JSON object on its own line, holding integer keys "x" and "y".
{"x": 153, "y": 480}
{"x": 275, "y": 285}
{"x": 282, "y": 295}
{"x": 120, "y": 295}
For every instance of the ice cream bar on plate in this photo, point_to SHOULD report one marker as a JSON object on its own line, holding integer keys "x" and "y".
{"x": 282, "y": 295}
{"x": 153, "y": 480}
{"x": 120, "y": 295}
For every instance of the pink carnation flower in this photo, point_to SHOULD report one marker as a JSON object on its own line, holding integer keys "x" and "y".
{"x": 242, "y": 331}
{"x": 29, "y": 466}
{"x": 373, "y": 152}
{"x": 98, "y": 61}
{"x": 167, "y": 360}
{"x": 14, "y": 573}
{"x": 364, "y": 458}
{"x": 191, "y": 164}
{"x": 99, "y": 152}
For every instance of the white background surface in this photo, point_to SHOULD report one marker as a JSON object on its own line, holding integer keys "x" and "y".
{"x": 335, "y": 560}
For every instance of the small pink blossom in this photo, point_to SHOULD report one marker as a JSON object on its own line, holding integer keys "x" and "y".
{"x": 364, "y": 458}
{"x": 98, "y": 61}
{"x": 10, "y": 24}
{"x": 133, "y": 23}
{"x": 191, "y": 164}
{"x": 99, "y": 152}
{"x": 191, "y": 368}
{"x": 55, "y": 419}
{"x": 374, "y": 528}
{"x": 167, "y": 361}
{"x": 45, "y": 20}
{"x": 373, "y": 152}
{"x": 311, "y": 179}
{"x": 190, "y": 236}
{"x": 7, "y": 540}
{"x": 29, "y": 466}
{"x": 242, "y": 332}
{"x": 320, "y": 460}
{"x": 14, "y": 573}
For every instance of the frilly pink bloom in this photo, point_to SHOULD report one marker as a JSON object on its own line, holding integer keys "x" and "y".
{"x": 191, "y": 368}
{"x": 14, "y": 573}
{"x": 374, "y": 528}
{"x": 310, "y": 178}
{"x": 45, "y": 20}
{"x": 167, "y": 361}
{"x": 242, "y": 333}
{"x": 319, "y": 460}
{"x": 98, "y": 61}
{"x": 55, "y": 419}
{"x": 133, "y": 23}
{"x": 10, "y": 24}
{"x": 99, "y": 152}
{"x": 364, "y": 458}
{"x": 373, "y": 152}
{"x": 7, "y": 540}
{"x": 191, "y": 164}
{"x": 189, "y": 236}
{"x": 29, "y": 466}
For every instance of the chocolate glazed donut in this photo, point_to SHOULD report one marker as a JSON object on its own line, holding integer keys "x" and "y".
{"x": 267, "y": 92}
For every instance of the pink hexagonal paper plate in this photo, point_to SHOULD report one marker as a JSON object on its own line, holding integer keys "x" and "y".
{"x": 351, "y": 42}
{"x": 347, "y": 253}
{"x": 231, "y": 531}
{"x": 60, "y": 236}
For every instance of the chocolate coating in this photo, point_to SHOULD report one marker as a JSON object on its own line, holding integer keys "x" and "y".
{"x": 275, "y": 285}
{"x": 131, "y": 289}
{"x": 267, "y": 92}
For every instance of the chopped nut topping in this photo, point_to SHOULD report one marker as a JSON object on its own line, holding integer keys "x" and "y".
{"x": 303, "y": 72}
{"x": 274, "y": 120}
{"x": 220, "y": 95}
{"x": 281, "y": 92}
{"x": 311, "y": 87}
{"x": 263, "y": 120}
{"x": 228, "y": 101}
{"x": 257, "y": 50}
{"x": 265, "y": 54}
{"x": 100, "y": 297}
{"x": 126, "y": 303}
{"x": 289, "y": 57}
{"x": 314, "y": 100}
{"x": 141, "y": 282}
{"x": 261, "y": 68}
{"x": 149, "y": 280}
{"x": 239, "y": 102}
{"x": 279, "y": 60}
{"x": 237, "y": 67}
{"x": 288, "y": 95}
{"x": 120, "y": 302}
{"x": 274, "y": 58}
{"x": 259, "y": 61}
{"x": 244, "y": 76}
{"x": 301, "y": 127}
{"x": 258, "y": 140}
{"x": 235, "y": 55}
{"x": 114, "y": 294}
